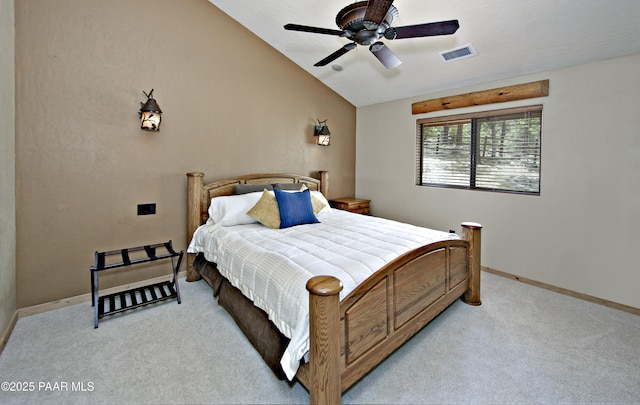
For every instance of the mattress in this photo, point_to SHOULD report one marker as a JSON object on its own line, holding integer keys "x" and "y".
{"x": 272, "y": 266}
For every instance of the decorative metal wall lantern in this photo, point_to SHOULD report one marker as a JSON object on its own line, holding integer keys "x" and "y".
{"x": 322, "y": 134}
{"x": 150, "y": 113}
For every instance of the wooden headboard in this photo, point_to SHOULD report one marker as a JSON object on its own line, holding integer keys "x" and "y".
{"x": 199, "y": 197}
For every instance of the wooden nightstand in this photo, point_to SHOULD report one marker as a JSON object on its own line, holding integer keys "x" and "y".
{"x": 357, "y": 205}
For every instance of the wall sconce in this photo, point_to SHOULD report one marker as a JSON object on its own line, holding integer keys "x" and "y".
{"x": 150, "y": 113}
{"x": 322, "y": 134}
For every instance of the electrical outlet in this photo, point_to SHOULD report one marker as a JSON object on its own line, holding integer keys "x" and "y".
{"x": 147, "y": 209}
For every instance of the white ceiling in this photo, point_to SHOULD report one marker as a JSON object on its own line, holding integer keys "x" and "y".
{"x": 512, "y": 38}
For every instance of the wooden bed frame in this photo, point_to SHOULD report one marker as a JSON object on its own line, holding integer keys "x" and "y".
{"x": 349, "y": 338}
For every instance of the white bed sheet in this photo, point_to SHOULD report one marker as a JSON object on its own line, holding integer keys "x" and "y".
{"x": 272, "y": 266}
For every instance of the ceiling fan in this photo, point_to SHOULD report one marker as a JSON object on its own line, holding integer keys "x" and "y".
{"x": 365, "y": 22}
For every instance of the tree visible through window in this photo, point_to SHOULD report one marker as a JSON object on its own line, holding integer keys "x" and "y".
{"x": 494, "y": 150}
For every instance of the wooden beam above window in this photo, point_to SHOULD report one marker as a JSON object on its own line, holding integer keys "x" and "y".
{"x": 499, "y": 95}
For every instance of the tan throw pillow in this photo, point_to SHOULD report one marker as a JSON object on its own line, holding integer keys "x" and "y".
{"x": 316, "y": 204}
{"x": 266, "y": 210}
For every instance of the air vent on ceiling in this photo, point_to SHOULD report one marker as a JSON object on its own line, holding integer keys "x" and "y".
{"x": 464, "y": 51}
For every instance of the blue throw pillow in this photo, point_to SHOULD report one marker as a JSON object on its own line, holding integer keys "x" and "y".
{"x": 295, "y": 208}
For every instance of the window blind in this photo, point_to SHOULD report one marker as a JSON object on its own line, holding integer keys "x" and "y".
{"x": 493, "y": 150}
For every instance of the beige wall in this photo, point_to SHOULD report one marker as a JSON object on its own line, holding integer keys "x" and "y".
{"x": 581, "y": 232}
{"x": 232, "y": 105}
{"x": 7, "y": 166}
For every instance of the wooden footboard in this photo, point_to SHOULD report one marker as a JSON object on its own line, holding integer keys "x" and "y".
{"x": 384, "y": 312}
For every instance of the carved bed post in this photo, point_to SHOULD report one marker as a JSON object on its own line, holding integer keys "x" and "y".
{"x": 471, "y": 233}
{"x": 194, "y": 216}
{"x": 324, "y": 182}
{"x": 324, "y": 350}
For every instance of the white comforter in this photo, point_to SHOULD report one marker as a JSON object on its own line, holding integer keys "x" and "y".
{"x": 272, "y": 266}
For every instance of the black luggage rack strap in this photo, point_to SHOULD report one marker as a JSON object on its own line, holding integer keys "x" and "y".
{"x": 139, "y": 296}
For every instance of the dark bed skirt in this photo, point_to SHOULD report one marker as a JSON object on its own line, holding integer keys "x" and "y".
{"x": 253, "y": 321}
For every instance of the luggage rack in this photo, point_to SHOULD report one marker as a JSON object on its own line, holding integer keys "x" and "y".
{"x": 135, "y": 297}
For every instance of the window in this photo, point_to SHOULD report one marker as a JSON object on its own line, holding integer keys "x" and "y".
{"x": 493, "y": 150}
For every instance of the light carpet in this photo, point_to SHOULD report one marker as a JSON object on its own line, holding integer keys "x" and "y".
{"x": 523, "y": 345}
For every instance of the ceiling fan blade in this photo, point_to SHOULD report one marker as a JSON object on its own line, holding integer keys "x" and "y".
{"x": 423, "y": 30}
{"x": 337, "y": 54}
{"x": 385, "y": 55}
{"x": 315, "y": 30}
{"x": 376, "y": 10}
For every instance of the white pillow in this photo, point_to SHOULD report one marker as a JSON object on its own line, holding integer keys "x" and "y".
{"x": 232, "y": 209}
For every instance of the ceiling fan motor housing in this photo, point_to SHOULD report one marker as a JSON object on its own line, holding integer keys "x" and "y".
{"x": 351, "y": 20}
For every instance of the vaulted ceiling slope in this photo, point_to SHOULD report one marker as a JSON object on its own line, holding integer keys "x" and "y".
{"x": 511, "y": 37}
